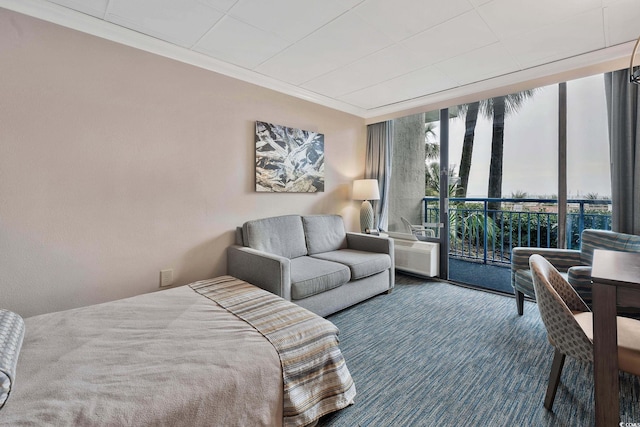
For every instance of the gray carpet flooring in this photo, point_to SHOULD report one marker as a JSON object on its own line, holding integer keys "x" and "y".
{"x": 436, "y": 354}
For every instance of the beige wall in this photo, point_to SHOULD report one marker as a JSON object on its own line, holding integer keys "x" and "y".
{"x": 116, "y": 163}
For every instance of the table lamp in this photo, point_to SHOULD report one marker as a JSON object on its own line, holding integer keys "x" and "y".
{"x": 366, "y": 189}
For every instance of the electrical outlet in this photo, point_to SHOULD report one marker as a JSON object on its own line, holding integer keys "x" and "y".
{"x": 166, "y": 278}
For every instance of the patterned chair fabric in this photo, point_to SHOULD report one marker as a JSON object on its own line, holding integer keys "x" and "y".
{"x": 557, "y": 302}
{"x": 573, "y": 264}
{"x": 569, "y": 325}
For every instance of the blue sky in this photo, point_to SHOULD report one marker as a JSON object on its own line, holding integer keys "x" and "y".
{"x": 530, "y": 147}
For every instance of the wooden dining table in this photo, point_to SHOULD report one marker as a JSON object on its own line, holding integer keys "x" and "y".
{"x": 616, "y": 280}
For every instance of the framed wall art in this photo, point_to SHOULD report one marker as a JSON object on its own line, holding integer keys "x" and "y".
{"x": 288, "y": 159}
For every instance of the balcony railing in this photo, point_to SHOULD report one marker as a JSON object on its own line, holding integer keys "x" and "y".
{"x": 488, "y": 235}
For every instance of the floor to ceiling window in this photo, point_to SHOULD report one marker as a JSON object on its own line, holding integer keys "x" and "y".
{"x": 506, "y": 153}
{"x": 588, "y": 163}
{"x": 503, "y": 167}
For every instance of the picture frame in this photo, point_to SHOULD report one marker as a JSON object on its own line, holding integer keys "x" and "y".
{"x": 288, "y": 159}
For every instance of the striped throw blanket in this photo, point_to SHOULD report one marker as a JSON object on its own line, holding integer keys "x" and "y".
{"x": 11, "y": 335}
{"x": 315, "y": 376}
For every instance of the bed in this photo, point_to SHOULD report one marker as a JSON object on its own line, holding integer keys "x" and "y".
{"x": 216, "y": 352}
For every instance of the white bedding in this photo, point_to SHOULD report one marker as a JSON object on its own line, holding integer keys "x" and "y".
{"x": 179, "y": 366}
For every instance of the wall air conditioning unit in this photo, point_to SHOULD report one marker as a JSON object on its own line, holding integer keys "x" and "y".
{"x": 415, "y": 256}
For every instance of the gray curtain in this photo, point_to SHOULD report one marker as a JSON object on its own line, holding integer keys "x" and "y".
{"x": 624, "y": 132}
{"x": 378, "y": 166}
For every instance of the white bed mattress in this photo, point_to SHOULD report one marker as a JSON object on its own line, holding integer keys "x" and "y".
{"x": 176, "y": 365}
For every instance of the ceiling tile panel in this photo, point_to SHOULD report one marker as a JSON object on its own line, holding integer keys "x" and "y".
{"x": 95, "y": 8}
{"x": 351, "y": 3}
{"x": 239, "y": 43}
{"x": 481, "y": 64}
{"x": 622, "y": 21}
{"x": 508, "y": 18}
{"x": 577, "y": 35}
{"x": 182, "y": 22}
{"x": 289, "y": 19}
{"x": 221, "y": 5}
{"x": 380, "y": 55}
{"x": 452, "y": 38}
{"x": 413, "y": 85}
{"x": 400, "y": 19}
{"x": 341, "y": 42}
{"x": 375, "y": 68}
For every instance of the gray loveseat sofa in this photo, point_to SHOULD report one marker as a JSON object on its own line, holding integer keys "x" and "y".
{"x": 312, "y": 261}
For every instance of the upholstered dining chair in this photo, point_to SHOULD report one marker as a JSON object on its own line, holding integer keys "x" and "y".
{"x": 569, "y": 324}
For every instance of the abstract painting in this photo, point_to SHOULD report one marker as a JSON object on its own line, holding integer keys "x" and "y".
{"x": 288, "y": 159}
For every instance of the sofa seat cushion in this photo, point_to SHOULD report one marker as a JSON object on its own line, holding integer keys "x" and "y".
{"x": 311, "y": 276}
{"x": 362, "y": 264}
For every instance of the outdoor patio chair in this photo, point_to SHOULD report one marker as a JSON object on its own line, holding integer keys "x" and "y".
{"x": 569, "y": 324}
{"x": 574, "y": 265}
{"x": 417, "y": 230}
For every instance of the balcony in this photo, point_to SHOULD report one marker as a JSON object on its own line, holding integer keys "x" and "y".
{"x": 481, "y": 237}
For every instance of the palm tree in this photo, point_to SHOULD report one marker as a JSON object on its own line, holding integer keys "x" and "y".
{"x": 432, "y": 180}
{"x": 471, "y": 118}
{"x": 431, "y": 160}
{"x": 498, "y": 108}
{"x": 469, "y": 226}
{"x": 431, "y": 144}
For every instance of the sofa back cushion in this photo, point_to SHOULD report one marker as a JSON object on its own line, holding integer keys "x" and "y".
{"x": 324, "y": 233}
{"x": 609, "y": 240}
{"x": 279, "y": 235}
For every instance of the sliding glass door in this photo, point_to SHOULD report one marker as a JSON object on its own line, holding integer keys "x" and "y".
{"x": 503, "y": 152}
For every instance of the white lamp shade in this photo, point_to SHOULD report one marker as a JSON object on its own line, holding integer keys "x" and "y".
{"x": 366, "y": 189}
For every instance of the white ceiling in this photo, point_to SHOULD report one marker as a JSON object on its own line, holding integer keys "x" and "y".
{"x": 365, "y": 57}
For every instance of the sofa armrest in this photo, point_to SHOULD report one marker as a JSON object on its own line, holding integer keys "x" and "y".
{"x": 267, "y": 271}
{"x": 562, "y": 259}
{"x": 379, "y": 244}
{"x": 370, "y": 243}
